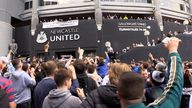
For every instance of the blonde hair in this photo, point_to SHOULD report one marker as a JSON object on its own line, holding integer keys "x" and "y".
{"x": 115, "y": 70}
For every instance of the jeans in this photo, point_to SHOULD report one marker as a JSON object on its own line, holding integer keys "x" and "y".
{"x": 26, "y": 104}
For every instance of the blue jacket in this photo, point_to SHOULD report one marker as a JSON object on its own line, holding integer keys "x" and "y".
{"x": 42, "y": 90}
{"x": 103, "y": 69}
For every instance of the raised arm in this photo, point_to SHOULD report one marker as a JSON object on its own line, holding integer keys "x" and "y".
{"x": 9, "y": 65}
{"x": 75, "y": 83}
{"x": 152, "y": 58}
{"x": 171, "y": 97}
{"x": 107, "y": 58}
{"x": 9, "y": 55}
{"x": 80, "y": 52}
{"x": 69, "y": 62}
{"x": 46, "y": 51}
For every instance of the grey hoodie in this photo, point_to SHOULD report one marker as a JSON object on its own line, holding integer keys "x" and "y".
{"x": 59, "y": 98}
{"x": 21, "y": 84}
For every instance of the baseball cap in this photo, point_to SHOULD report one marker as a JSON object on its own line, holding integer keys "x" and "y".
{"x": 158, "y": 76}
{"x": 4, "y": 59}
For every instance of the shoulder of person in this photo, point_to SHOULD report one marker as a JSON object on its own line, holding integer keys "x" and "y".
{"x": 45, "y": 102}
{"x": 74, "y": 99}
{"x": 91, "y": 81}
{"x": 25, "y": 74}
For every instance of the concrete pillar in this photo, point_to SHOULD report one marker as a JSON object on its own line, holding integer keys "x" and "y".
{"x": 5, "y": 27}
{"x": 190, "y": 6}
{"x": 34, "y": 22}
{"x": 35, "y": 16}
{"x": 157, "y": 12}
{"x": 98, "y": 14}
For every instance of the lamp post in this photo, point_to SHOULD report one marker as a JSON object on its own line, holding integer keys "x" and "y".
{"x": 161, "y": 29}
{"x": 99, "y": 26}
{"x": 33, "y": 32}
{"x": 186, "y": 22}
{"x": 147, "y": 33}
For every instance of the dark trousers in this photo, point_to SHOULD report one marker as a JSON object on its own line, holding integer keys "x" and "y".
{"x": 26, "y": 104}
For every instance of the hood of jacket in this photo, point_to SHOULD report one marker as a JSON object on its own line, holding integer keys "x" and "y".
{"x": 108, "y": 95}
{"x": 17, "y": 74}
{"x": 57, "y": 97}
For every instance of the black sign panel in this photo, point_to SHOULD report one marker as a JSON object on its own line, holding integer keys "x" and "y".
{"x": 65, "y": 36}
{"x": 141, "y": 53}
{"x": 123, "y": 33}
{"x": 23, "y": 39}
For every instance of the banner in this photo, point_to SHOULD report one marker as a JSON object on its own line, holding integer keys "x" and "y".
{"x": 60, "y": 24}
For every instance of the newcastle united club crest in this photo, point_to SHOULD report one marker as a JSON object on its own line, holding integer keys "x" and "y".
{"x": 41, "y": 37}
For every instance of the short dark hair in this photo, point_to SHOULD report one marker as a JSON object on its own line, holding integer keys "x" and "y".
{"x": 79, "y": 66}
{"x": 131, "y": 86}
{"x": 91, "y": 68}
{"x": 33, "y": 65}
{"x": 49, "y": 67}
{"x": 145, "y": 65}
{"x": 61, "y": 65}
{"x": 61, "y": 76}
{"x": 25, "y": 67}
{"x": 101, "y": 61}
{"x": 16, "y": 62}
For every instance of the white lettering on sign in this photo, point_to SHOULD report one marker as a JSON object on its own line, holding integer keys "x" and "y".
{"x": 69, "y": 30}
{"x": 131, "y": 26}
{"x": 70, "y": 37}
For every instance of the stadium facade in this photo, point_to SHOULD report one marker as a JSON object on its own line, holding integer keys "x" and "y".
{"x": 19, "y": 13}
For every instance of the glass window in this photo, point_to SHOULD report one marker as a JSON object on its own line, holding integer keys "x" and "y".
{"x": 31, "y": 4}
{"x": 26, "y": 5}
{"x": 182, "y": 7}
{"x": 47, "y": 3}
{"x": 149, "y": 1}
{"x": 41, "y": 2}
{"x": 54, "y": 3}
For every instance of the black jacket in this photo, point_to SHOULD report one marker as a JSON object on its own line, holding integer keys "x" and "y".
{"x": 87, "y": 83}
{"x": 102, "y": 97}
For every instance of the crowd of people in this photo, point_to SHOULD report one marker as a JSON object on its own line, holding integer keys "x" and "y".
{"x": 157, "y": 41}
{"x": 111, "y": 16}
{"x": 94, "y": 82}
